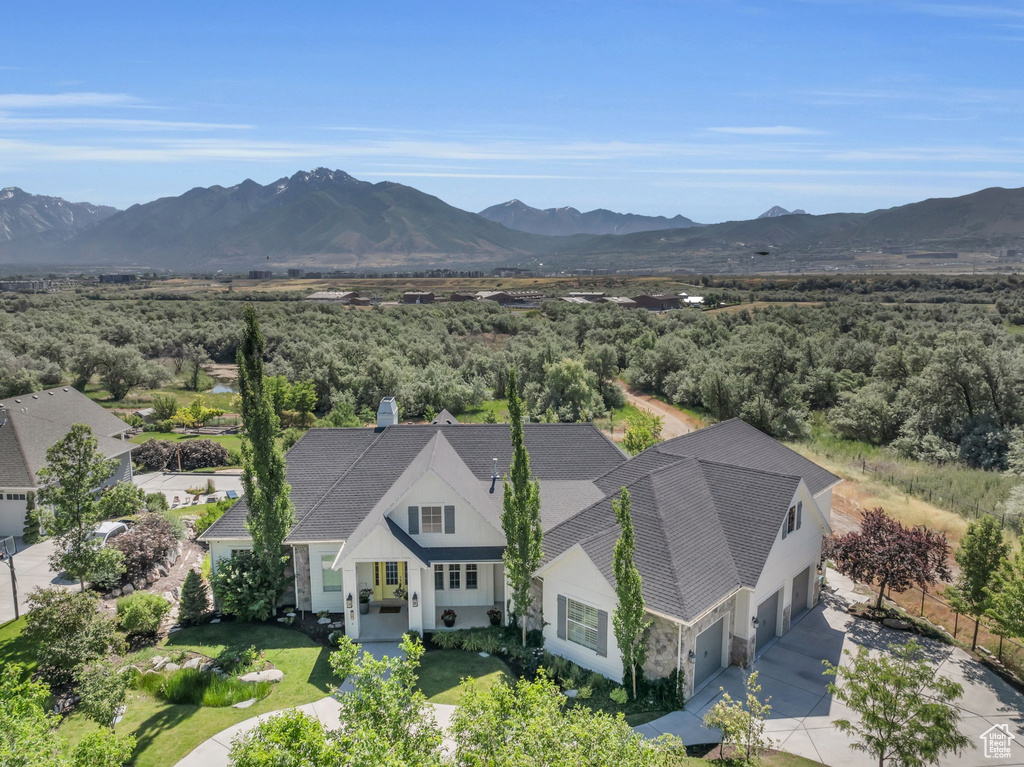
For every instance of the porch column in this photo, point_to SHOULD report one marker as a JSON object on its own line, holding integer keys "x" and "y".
{"x": 350, "y": 585}
{"x": 415, "y": 575}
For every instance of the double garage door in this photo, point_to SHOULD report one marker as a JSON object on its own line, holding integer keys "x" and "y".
{"x": 708, "y": 650}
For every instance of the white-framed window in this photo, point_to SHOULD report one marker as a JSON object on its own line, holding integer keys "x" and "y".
{"x": 331, "y": 578}
{"x": 454, "y": 576}
{"x": 431, "y": 519}
{"x": 439, "y": 577}
{"x": 15, "y": 496}
{"x": 581, "y": 624}
{"x": 471, "y": 574}
{"x": 790, "y": 520}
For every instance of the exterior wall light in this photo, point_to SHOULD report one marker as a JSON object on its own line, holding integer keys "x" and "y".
{"x": 348, "y": 601}
{"x": 755, "y": 622}
{"x": 691, "y": 656}
{"x": 415, "y": 599}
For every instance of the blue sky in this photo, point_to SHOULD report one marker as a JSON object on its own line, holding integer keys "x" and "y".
{"x": 715, "y": 109}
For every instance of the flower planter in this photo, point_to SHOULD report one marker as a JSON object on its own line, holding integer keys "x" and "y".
{"x": 449, "y": 622}
{"x": 495, "y": 618}
{"x": 364, "y": 608}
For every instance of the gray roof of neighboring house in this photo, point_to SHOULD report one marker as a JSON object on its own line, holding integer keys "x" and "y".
{"x": 36, "y": 421}
{"x": 703, "y": 529}
{"x": 444, "y": 417}
{"x": 339, "y": 476}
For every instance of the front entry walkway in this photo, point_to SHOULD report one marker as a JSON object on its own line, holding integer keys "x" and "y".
{"x": 803, "y": 711}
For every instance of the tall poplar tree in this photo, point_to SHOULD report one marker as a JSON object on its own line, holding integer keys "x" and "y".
{"x": 267, "y": 493}
{"x": 629, "y": 619}
{"x": 74, "y": 469}
{"x": 520, "y": 517}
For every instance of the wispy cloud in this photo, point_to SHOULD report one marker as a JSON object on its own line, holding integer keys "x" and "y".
{"x": 113, "y": 123}
{"x": 768, "y": 130}
{"x": 47, "y": 100}
{"x": 969, "y": 11}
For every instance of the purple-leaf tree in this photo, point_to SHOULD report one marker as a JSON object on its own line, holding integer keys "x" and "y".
{"x": 885, "y": 552}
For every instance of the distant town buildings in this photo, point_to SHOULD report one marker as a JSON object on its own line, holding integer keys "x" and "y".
{"x": 513, "y": 271}
{"x": 658, "y": 302}
{"x": 418, "y": 297}
{"x": 117, "y": 279}
{"x": 260, "y": 274}
{"x": 24, "y": 286}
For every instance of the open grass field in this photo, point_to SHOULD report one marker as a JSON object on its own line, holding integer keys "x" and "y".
{"x": 230, "y": 441}
{"x": 140, "y": 398}
{"x": 14, "y": 648}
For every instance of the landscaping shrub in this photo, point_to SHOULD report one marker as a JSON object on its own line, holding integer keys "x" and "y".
{"x": 149, "y": 542}
{"x": 153, "y": 454}
{"x": 667, "y": 693}
{"x": 107, "y": 569}
{"x": 141, "y": 612}
{"x": 156, "y": 502}
{"x": 156, "y": 455}
{"x": 243, "y": 588}
{"x": 193, "y": 687}
{"x": 102, "y": 691}
{"x": 447, "y": 640}
{"x": 67, "y": 630}
{"x": 194, "y": 600}
{"x": 178, "y": 529}
{"x": 211, "y": 514}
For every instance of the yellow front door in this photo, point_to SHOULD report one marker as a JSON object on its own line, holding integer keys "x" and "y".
{"x": 388, "y": 576}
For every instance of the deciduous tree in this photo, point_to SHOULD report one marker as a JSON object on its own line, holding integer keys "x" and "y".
{"x": 906, "y": 714}
{"x": 886, "y": 553}
{"x": 629, "y": 620}
{"x": 742, "y": 721}
{"x": 520, "y": 518}
{"x": 982, "y": 550}
{"x": 74, "y": 469}
{"x": 267, "y": 492}
{"x": 1008, "y": 597}
{"x": 643, "y": 430}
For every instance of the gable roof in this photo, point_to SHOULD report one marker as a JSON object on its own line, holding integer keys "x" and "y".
{"x": 444, "y": 417}
{"x": 703, "y": 530}
{"x": 339, "y": 476}
{"x": 36, "y": 421}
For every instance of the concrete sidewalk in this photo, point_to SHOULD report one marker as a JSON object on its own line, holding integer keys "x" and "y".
{"x": 790, "y": 671}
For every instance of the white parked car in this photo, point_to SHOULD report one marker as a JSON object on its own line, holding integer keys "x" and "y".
{"x": 105, "y": 531}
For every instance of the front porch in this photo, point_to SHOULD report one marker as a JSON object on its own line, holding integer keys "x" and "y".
{"x": 467, "y": 616}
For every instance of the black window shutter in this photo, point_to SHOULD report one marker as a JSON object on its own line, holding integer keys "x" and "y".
{"x": 799, "y": 513}
{"x": 602, "y": 633}
{"x": 449, "y": 520}
{"x": 561, "y": 617}
{"x": 414, "y": 520}
{"x": 785, "y": 526}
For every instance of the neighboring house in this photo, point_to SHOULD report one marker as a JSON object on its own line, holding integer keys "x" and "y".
{"x": 657, "y": 303}
{"x": 625, "y": 303}
{"x": 332, "y": 296}
{"x": 30, "y": 425}
{"x": 511, "y": 297}
{"x": 728, "y": 521}
{"x": 418, "y": 297}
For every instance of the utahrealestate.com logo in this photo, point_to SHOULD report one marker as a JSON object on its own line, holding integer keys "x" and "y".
{"x": 997, "y": 741}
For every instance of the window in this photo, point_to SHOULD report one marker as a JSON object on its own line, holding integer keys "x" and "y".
{"x": 791, "y": 520}
{"x": 439, "y": 577}
{"x": 432, "y": 519}
{"x": 331, "y": 578}
{"x": 454, "y": 577}
{"x": 581, "y": 624}
{"x": 470, "y": 576}
{"x": 391, "y": 573}
{"x": 15, "y": 496}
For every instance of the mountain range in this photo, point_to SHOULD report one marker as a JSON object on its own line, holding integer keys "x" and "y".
{"x": 23, "y": 214}
{"x": 777, "y": 210}
{"x": 566, "y": 221}
{"x": 328, "y": 218}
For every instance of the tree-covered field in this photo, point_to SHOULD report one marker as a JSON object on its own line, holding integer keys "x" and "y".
{"x": 940, "y": 382}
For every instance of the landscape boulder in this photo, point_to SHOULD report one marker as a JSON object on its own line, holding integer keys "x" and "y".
{"x": 269, "y": 675}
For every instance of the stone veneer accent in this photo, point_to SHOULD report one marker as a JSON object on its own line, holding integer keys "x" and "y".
{"x": 662, "y": 647}
{"x": 741, "y": 651}
{"x": 787, "y": 616}
{"x": 303, "y": 588}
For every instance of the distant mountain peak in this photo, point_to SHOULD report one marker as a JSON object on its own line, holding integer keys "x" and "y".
{"x": 777, "y": 210}
{"x": 23, "y": 214}
{"x": 567, "y": 220}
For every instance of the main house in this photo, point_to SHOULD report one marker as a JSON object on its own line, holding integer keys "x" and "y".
{"x": 728, "y": 526}
{"x": 30, "y": 425}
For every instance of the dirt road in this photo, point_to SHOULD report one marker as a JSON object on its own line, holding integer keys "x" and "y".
{"x": 675, "y": 423}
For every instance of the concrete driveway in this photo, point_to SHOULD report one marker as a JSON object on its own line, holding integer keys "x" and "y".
{"x": 803, "y": 711}
{"x": 33, "y": 568}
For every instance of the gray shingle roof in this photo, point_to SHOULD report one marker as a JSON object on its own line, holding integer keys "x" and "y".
{"x": 703, "y": 529}
{"x": 35, "y": 422}
{"x": 339, "y": 475}
{"x": 737, "y": 443}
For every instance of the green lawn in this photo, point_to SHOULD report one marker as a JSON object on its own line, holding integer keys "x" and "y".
{"x": 139, "y": 398}
{"x": 442, "y": 671}
{"x": 166, "y": 732}
{"x": 497, "y": 406}
{"x": 13, "y": 648}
